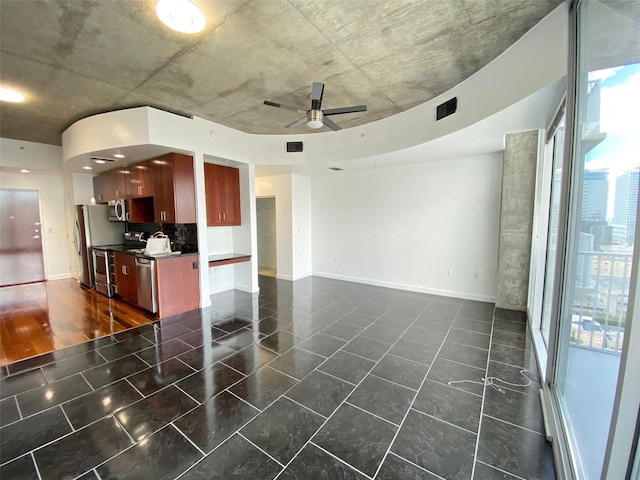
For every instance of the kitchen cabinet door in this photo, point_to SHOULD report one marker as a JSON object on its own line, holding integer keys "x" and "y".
{"x": 222, "y": 189}
{"x": 126, "y": 276}
{"x": 100, "y": 188}
{"x": 115, "y": 184}
{"x": 139, "y": 180}
{"x": 175, "y": 202}
{"x": 178, "y": 281}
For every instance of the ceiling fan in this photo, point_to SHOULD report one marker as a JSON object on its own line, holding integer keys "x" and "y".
{"x": 315, "y": 117}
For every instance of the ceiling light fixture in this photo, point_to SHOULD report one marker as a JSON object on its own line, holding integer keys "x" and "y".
{"x": 24, "y": 170}
{"x": 118, "y": 155}
{"x": 97, "y": 160}
{"x": 181, "y": 15}
{"x": 314, "y": 119}
{"x": 87, "y": 167}
{"x": 10, "y": 95}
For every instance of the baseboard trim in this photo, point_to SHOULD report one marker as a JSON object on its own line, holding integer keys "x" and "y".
{"x": 410, "y": 288}
{"x": 59, "y": 277}
{"x": 220, "y": 289}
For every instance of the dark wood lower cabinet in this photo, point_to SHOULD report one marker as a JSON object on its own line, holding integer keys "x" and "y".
{"x": 126, "y": 276}
{"x": 178, "y": 285}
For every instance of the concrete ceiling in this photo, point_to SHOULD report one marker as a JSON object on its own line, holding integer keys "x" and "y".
{"x": 76, "y": 58}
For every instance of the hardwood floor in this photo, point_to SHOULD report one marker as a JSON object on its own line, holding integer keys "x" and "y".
{"x": 41, "y": 317}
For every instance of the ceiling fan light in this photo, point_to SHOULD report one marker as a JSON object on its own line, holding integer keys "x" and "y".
{"x": 314, "y": 119}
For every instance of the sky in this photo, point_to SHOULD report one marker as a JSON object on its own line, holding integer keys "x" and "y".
{"x": 620, "y": 119}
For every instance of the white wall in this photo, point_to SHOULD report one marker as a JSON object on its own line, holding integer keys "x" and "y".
{"x": 45, "y": 164}
{"x": 54, "y": 237}
{"x": 405, "y": 227}
{"x": 279, "y": 186}
{"x": 301, "y": 225}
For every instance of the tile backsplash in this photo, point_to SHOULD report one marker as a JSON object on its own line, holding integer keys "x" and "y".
{"x": 184, "y": 236}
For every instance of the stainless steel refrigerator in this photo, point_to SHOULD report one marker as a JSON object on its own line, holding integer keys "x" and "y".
{"x": 92, "y": 228}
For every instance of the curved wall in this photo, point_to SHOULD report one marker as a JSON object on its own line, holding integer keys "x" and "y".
{"x": 536, "y": 60}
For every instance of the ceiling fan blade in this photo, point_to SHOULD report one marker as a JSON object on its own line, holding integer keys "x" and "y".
{"x": 286, "y": 107}
{"x": 317, "y": 90}
{"x": 297, "y": 123}
{"x": 338, "y": 111}
{"x": 331, "y": 125}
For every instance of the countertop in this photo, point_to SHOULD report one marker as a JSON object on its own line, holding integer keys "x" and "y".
{"x": 228, "y": 258}
{"x": 125, "y": 249}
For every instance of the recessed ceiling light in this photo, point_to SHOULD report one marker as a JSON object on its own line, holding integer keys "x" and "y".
{"x": 118, "y": 155}
{"x": 9, "y": 95}
{"x": 181, "y": 15}
{"x": 24, "y": 170}
{"x": 99, "y": 161}
{"x": 87, "y": 167}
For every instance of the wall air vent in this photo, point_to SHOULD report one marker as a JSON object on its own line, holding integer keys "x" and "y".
{"x": 447, "y": 108}
{"x": 294, "y": 147}
{"x": 336, "y": 169}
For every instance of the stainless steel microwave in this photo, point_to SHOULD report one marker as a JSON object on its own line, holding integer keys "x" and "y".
{"x": 117, "y": 211}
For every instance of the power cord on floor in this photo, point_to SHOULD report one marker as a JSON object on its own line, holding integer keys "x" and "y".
{"x": 490, "y": 381}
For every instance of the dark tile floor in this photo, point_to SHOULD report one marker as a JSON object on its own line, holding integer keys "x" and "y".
{"x": 315, "y": 379}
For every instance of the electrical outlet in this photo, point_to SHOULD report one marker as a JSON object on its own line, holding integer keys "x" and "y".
{"x": 335, "y": 261}
{"x": 449, "y": 272}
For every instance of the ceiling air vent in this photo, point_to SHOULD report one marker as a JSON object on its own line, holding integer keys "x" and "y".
{"x": 104, "y": 159}
{"x": 336, "y": 169}
{"x": 294, "y": 147}
{"x": 447, "y": 108}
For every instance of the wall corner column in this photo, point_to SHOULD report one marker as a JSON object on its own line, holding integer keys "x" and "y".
{"x": 516, "y": 219}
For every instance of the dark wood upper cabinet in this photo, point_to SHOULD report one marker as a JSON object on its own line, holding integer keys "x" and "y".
{"x": 139, "y": 180}
{"x": 174, "y": 184}
{"x": 222, "y": 188}
{"x": 160, "y": 190}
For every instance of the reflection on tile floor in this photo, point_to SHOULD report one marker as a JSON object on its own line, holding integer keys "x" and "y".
{"x": 311, "y": 379}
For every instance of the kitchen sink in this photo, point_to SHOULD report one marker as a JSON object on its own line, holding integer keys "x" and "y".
{"x": 135, "y": 250}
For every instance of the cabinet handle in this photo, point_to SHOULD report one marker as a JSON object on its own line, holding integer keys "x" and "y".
{"x": 128, "y": 216}
{"x": 139, "y": 190}
{"x": 117, "y": 193}
{"x": 219, "y": 216}
{"x": 224, "y": 217}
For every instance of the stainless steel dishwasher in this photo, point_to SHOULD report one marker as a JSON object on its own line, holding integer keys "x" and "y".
{"x": 147, "y": 287}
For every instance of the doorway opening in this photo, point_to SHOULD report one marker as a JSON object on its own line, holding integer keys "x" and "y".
{"x": 267, "y": 239}
{"x": 21, "y": 256}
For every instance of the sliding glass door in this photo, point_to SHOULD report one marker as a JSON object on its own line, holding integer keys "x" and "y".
{"x": 589, "y": 294}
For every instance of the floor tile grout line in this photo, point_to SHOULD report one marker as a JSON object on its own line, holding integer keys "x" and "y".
{"x": 337, "y": 378}
{"x": 339, "y": 459}
{"x": 35, "y": 464}
{"x": 416, "y": 465}
{"x": 417, "y": 410}
{"x": 284, "y": 395}
{"x": 384, "y": 457}
{"x": 512, "y": 424}
{"x": 126, "y": 379}
{"x": 484, "y": 399}
{"x": 188, "y": 439}
{"x": 120, "y": 424}
{"x": 183, "y": 391}
{"x": 391, "y": 381}
{"x": 347, "y": 402}
{"x": 518, "y": 477}
{"x": 15, "y": 399}
{"x": 345, "y": 399}
{"x": 259, "y": 448}
{"x": 68, "y": 421}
